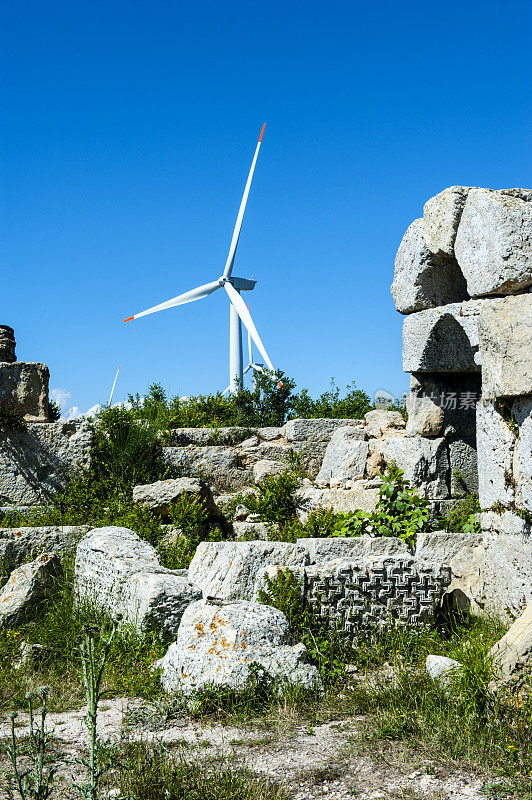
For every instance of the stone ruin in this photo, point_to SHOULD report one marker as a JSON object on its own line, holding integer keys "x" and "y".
{"x": 463, "y": 278}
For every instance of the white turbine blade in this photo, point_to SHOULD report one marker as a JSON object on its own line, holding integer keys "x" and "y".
{"x": 245, "y": 316}
{"x": 249, "y": 366}
{"x": 249, "y": 347}
{"x": 224, "y": 393}
{"x": 113, "y": 389}
{"x": 236, "y": 233}
{"x": 181, "y": 299}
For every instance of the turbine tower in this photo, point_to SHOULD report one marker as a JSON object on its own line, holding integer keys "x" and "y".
{"x": 238, "y": 313}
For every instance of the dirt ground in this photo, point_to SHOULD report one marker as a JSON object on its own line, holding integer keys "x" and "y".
{"x": 333, "y": 760}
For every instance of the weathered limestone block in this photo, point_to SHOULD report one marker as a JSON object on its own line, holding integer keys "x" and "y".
{"x": 512, "y": 655}
{"x": 351, "y": 548}
{"x": 345, "y": 456}
{"x": 507, "y": 569}
{"x": 118, "y": 572}
{"x": 494, "y": 241}
{"x": 248, "y": 531}
{"x": 464, "y": 553}
{"x": 39, "y": 459}
{"x": 443, "y": 546}
{"x": 383, "y": 423}
{"x": 203, "y": 437}
{"x": 423, "y": 279}
{"x": 160, "y": 495}
{"x": 7, "y": 344}
{"x": 310, "y": 498}
{"x": 522, "y": 463}
{"x": 443, "y": 339}
{"x": 495, "y": 447}
{"x": 264, "y": 469}
{"x": 216, "y": 463}
{"x": 216, "y": 644}
{"x": 463, "y": 465}
{"x": 505, "y": 333}
{"x": 27, "y": 587}
{"x": 310, "y": 438}
{"x": 263, "y": 451}
{"x": 441, "y": 216}
{"x": 442, "y": 668}
{"x": 19, "y": 544}
{"x": 456, "y": 394}
{"x": 226, "y": 570}
{"x": 373, "y": 590}
{"x": 425, "y": 462}
{"x": 25, "y": 385}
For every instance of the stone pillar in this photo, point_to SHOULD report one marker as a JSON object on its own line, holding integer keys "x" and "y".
{"x": 7, "y": 344}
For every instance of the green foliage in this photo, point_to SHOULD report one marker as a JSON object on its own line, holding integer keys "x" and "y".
{"x": 151, "y": 773}
{"x": 54, "y": 411}
{"x": 462, "y": 518}
{"x": 400, "y": 511}
{"x": 35, "y": 782}
{"x": 331, "y": 405}
{"x": 274, "y": 501}
{"x": 11, "y": 418}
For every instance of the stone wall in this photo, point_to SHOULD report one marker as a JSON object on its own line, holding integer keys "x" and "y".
{"x": 23, "y": 384}
{"x": 463, "y": 276}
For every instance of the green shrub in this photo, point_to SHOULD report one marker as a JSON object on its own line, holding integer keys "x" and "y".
{"x": 11, "y": 417}
{"x": 462, "y": 518}
{"x": 274, "y": 501}
{"x": 330, "y": 404}
{"x": 54, "y": 411}
{"x": 400, "y": 511}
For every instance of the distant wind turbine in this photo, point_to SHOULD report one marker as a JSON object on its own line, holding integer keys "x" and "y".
{"x": 113, "y": 389}
{"x": 233, "y": 286}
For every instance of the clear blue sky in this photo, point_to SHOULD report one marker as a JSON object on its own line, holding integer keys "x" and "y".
{"x": 127, "y": 134}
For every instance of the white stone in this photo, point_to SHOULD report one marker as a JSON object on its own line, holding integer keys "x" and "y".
{"x": 264, "y": 469}
{"x": 507, "y": 567}
{"x": 121, "y": 574}
{"x": 345, "y": 456}
{"x": 425, "y": 417}
{"x": 441, "y": 216}
{"x": 522, "y": 462}
{"x": 248, "y": 531}
{"x": 317, "y": 430}
{"x": 513, "y": 653}
{"x": 27, "y": 587}
{"x": 351, "y": 548}
{"x": 37, "y": 460}
{"x": 310, "y": 498}
{"x": 226, "y": 570}
{"x": 442, "y": 668}
{"x": 216, "y": 644}
{"x": 424, "y": 461}
{"x": 20, "y": 544}
{"x": 381, "y": 423}
{"x": 494, "y": 241}
{"x": 25, "y": 384}
{"x": 423, "y": 279}
{"x": 160, "y": 495}
{"x": 495, "y": 449}
{"x": 505, "y": 333}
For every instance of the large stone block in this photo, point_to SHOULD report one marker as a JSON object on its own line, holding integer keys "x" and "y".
{"x": 494, "y": 241}
{"x": 495, "y": 448}
{"x": 522, "y": 463}
{"x": 316, "y": 430}
{"x": 443, "y": 339}
{"x": 227, "y": 570}
{"x": 426, "y": 417}
{"x": 121, "y": 574}
{"x": 203, "y": 437}
{"x": 383, "y": 423}
{"x": 423, "y": 279}
{"x": 352, "y": 548}
{"x": 39, "y": 459}
{"x": 425, "y": 462}
{"x": 209, "y": 461}
{"x": 26, "y": 589}
{"x": 25, "y": 385}
{"x": 463, "y": 463}
{"x": 507, "y": 568}
{"x": 19, "y": 544}
{"x": 505, "y": 333}
{"x": 512, "y": 655}
{"x": 310, "y": 498}
{"x": 7, "y": 344}
{"x": 160, "y": 495}
{"x": 441, "y": 216}
{"x": 217, "y": 644}
{"x": 456, "y": 394}
{"x": 345, "y": 456}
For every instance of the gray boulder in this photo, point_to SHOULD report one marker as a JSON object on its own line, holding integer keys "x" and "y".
{"x": 19, "y": 544}
{"x": 217, "y": 464}
{"x": 227, "y": 570}
{"x": 424, "y": 461}
{"x": 351, "y": 548}
{"x": 423, "y": 279}
{"x": 441, "y": 216}
{"x": 217, "y": 644}
{"x": 382, "y": 423}
{"x": 505, "y": 333}
{"x": 265, "y": 468}
{"x": 121, "y": 574}
{"x": 249, "y": 531}
{"x": 204, "y": 437}
{"x": 345, "y": 456}
{"x": 442, "y": 669}
{"x": 39, "y": 459}
{"x": 495, "y": 447}
{"x": 25, "y": 385}
{"x": 27, "y": 588}
{"x": 456, "y": 394}
{"x": 160, "y": 495}
{"x": 317, "y": 430}
{"x": 425, "y": 416}
{"x": 494, "y": 241}
{"x": 443, "y": 339}
{"x": 310, "y": 498}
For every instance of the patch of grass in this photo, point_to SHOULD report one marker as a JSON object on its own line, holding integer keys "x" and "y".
{"x": 151, "y": 773}
{"x": 462, "y": 518}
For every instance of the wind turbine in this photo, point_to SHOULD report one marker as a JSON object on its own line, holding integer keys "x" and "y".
{"x": 233, "y": 286}
{"x": 113, "y": 389}
{"x": 257, "y": 368}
